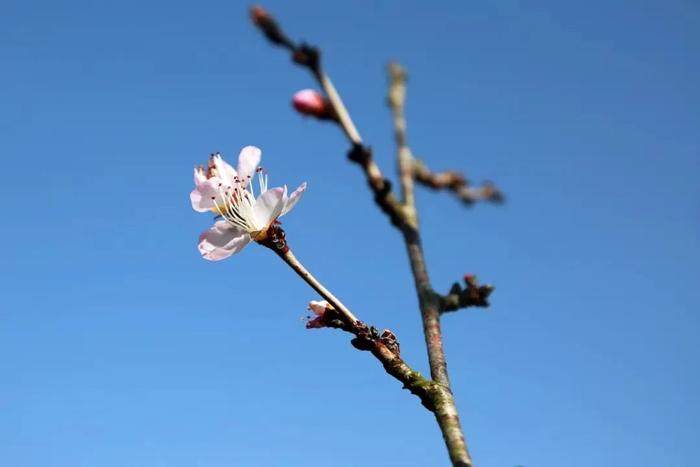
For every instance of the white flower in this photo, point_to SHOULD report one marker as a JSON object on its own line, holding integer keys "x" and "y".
{"x": 230, "y": 194}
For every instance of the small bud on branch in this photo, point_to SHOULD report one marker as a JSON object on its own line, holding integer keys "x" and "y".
{"x": 471, "y": 295}
{"x": 268, "y": 25}
{"x": 311, "y": 103}
{"x": 326, "y": 316}
{"x": 308, "y": 56}
{"x": 457, "y": 183}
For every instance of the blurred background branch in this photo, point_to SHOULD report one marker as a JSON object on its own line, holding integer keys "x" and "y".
{"x": 402, "y": 213}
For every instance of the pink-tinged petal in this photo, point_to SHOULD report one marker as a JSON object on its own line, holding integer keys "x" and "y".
{"x": 248, "y": 161}
{"x": 320, "y": 309}
{"x": 196, "y": 200}
{"x": 201, "y": 196}
{"x": 224, "y": 170}
{"x": 221, "y": 241}
{"x": 199, "y": 175}
{"x": 268, "y": 207}
{"x": 293, "y": 199}
{"x": 316, "y": 323}
{"x": 319, "y": 306}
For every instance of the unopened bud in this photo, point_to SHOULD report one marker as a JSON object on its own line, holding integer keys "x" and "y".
{"x": 259, "y": 15}
{"x": 319, "y": 308}
{"x": 312, "y": 103}
{"x": 469, "y": 278}
{"x": 267, "y": 24}
{"x": 389, "y": 339}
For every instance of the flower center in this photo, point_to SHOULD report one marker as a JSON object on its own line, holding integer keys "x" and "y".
{"x": 236, "y": 204}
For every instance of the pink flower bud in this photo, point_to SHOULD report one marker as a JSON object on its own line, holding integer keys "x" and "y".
{"x": 311, "y": 102}
{"x": 319, "y": 308}
{"x": 258, "y": 14}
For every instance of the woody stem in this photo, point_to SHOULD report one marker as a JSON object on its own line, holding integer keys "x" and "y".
{"x": 291, "y": 260}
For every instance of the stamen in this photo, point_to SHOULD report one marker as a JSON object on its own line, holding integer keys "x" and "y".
{"x": 262, "y": 180}
{"x": 237, "y": 208}
{"x": 235, "y": 204}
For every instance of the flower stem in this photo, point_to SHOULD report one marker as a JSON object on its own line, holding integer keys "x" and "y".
{"x": 340, "y": 110}
{"x": 289, "y": 258}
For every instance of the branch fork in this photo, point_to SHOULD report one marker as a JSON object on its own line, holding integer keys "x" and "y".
{"x": 435, "y": 393}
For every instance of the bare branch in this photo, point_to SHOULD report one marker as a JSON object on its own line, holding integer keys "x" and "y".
{"x": 397, "y": 99}
{"x": 384, "y": 346}
{"x": 310, "y": 58}
{"x": 403, "y": 215}
{"x": 429, "y": 301}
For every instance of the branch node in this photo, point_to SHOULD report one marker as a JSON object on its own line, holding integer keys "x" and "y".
{"x": 389, "y": 339}
{"x": 472, "y": 295}
{"x": 360, "y": 154}
{"x": 308, "y": 56}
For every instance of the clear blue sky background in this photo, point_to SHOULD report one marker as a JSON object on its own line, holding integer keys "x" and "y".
{"x": 119, "y": 346}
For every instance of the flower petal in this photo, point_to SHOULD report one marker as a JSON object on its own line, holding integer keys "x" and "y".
{"x": 199, "y": 175}
{"x": 221, "y": 241}
{"x": 268, "y": 207}
{"x": 224, "y": 170}
{"x": 320, "y": 309}
{"x": 293, "y": 199}
{"x": 319, "y": 306}
{"x": 201, "y": 196}
{"x": 248, "y": 161}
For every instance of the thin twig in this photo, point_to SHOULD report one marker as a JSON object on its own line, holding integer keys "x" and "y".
{"x": 299, "y": 268}
{"x": 341, "y": 111}
{"x": 384, "y": 346}
{"x": 360, "y": 153}
{"x": 457, "y": 183}
{"x": 396, "y": 99}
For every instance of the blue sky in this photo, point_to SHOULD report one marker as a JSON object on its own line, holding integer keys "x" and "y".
{"x": 119, "y": 346}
